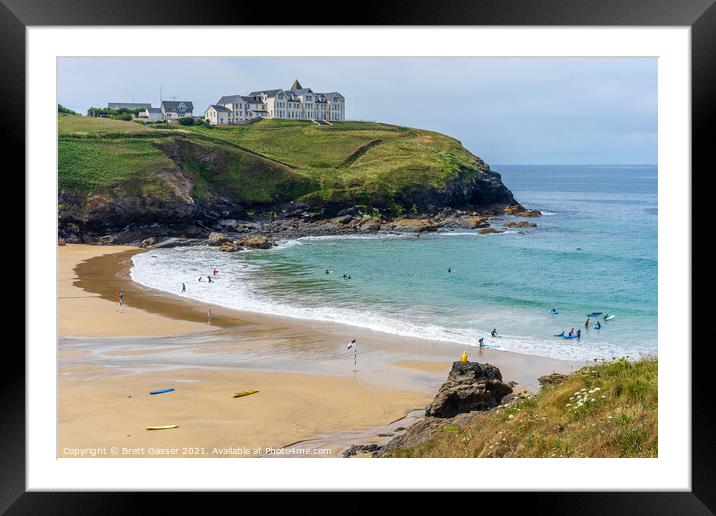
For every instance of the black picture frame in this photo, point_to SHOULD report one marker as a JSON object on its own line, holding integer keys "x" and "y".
{"x": 700, "y": 15}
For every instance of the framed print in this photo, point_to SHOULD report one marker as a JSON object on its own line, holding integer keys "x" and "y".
{"x": 440, "y": 241}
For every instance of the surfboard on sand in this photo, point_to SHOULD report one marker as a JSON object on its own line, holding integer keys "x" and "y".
{"x": 162, "y": 427}
{"x": 245, "y": 393}
{"x": 162, "y": 391}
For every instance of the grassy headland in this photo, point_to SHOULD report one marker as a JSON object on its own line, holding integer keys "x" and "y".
{"x": 269, "y": 161}
{"x": 604, "y": 410}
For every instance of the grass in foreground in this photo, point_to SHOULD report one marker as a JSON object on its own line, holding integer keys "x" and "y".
{"x": 606, "y": 410}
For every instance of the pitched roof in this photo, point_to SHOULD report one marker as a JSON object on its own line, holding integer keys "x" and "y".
{"x": 228, "y": 99}
{"x": 268, "y": 93}
{"x": 154, "y": 110}
{"x": 296, "y": 85}
{"x": 330, "y": 94}
{"x": 172, "y": 105}
{"x": 302, "y": 91}
{"x": 220, "y": 109}
{"x": 252, "y": 99}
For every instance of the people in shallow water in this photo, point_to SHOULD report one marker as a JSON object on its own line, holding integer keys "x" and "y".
{"x": 449, "y": 269}
{"x": 571, "y": 332}
{"x": 598, "y": 325}
{"x": 209, "y": 278}
{"x": 201, "y": 278}
{"x": 482, "y": 342}
{"x": 494, "y": 332}
{"x": 586, "y": 323}
{"x": 463, "y": 357}
{"x": 183, "y": 287}
{"x": 579, "y": 334}
{"x": 606, "y": 315}
{"x": 560, "y": 334}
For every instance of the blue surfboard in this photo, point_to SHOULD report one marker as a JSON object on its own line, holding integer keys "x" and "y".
{"x": 162, "y": 391}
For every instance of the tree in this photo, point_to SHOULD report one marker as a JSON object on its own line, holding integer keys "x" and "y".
{"x": 63, "y": 109}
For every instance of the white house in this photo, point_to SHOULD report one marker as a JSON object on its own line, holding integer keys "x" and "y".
{"x": 173, "y": 109}
{"x": 218, "y": 115}
{"x": 152, "y": 113}
{"x": 296, "y": 103}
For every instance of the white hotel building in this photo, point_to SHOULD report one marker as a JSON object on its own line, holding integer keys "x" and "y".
{"x": 296, "y": 103}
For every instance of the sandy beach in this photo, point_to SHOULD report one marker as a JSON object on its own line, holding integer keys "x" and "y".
{"x": 110, "y": 358}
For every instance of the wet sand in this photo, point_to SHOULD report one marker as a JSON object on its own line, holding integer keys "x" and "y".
{"x": 309, "y": 390}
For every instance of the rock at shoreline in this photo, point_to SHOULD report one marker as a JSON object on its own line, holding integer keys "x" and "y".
{"x": 148, "y": 242}
{"x": 470, "y": 386}
{"x": 520, "y": 211}
{"x": 552, "y": 379}
{"x": 230, "y": 247}
{"x": 419, "y": 225}
{"x": 488, "y": 231}
{"x": 521, "y": 224}
{"x": 218, "y": 239}
{"x": 255, "y": 242}
{"x": 61, "y": 241}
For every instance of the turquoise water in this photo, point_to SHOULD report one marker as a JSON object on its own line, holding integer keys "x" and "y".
{"x": 595, "y": 250}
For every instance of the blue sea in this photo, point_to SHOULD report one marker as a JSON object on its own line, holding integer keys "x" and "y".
{"x": 595, "y": 249}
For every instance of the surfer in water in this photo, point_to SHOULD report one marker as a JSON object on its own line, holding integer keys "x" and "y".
{"x": 606, "y": 316}
{"x": 215, "y": 271}
{"x": 482, "y": 342}
{"x": 449, "y": 269}
{"x": 209, "y": 278}
{"x": 571, "y": 332}
{"x": 579, "y": 334}
{"x": 494, "y": 332}
{"x": 183, "y": 287}
{"x": 586, "y": 323}
{"x": 201, "y": 278}
{"x": 560, "y": 334}
{"x": 598, "y": 325}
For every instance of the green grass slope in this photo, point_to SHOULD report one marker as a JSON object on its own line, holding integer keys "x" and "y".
{"x": 269, "y": 161}
{"x": 605, "y": 410}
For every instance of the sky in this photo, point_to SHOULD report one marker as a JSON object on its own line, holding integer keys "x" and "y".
{"x": 505, "y": 110}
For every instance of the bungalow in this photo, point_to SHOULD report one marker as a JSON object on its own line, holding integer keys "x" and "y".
{"x": 173, "y": 109}
{"x": 131, "y": 106}
{"x": 152, "y": 113}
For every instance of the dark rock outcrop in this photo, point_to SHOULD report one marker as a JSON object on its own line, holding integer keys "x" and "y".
{"x": 470, "y": 386}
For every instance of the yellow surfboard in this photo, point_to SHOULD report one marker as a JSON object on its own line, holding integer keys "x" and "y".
{"x": 162, "y": 427}
{"x": 244, "y": 393}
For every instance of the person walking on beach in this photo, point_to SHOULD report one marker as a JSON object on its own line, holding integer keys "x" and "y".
{"x": 121, "y": 296}
{"x": 183, "y": 287}
{"x": 209, "y": 316}
{"x": 463, "y": 357}
{"x": 353, "y": 344}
